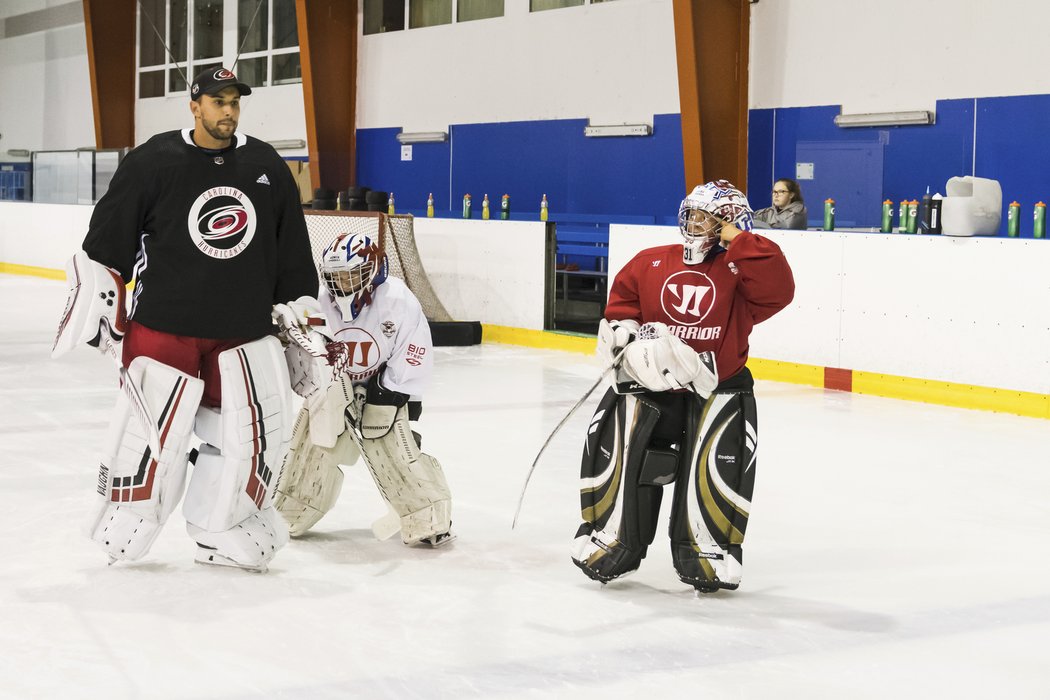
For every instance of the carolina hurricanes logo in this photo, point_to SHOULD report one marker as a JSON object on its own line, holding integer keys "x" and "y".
{"x": 687, "y": 297}
{"x": 223, "y": 74}
{"x": 222, "y": 222}
{"x": 363, "y": 351}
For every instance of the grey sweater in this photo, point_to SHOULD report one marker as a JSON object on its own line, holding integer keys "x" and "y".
{"x": 793, "y": 216}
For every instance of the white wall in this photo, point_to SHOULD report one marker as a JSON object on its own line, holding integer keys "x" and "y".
{"x": 612, "y": 62}
{"x": 894, "y": 54}
{"x": 45, "y": 87}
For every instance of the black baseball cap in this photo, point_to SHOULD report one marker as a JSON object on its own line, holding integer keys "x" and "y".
{"x": 214, "y": 80}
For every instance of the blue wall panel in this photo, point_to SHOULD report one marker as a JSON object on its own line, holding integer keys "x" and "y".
{"x": 760, "y": 176}
{"x": 918, "y": 157}
{"x": 379, "y": 167}
{"x": 610, "y": 176}
{"x": 1013, "y": 147}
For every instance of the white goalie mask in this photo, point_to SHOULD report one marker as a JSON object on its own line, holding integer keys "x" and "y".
{"x": 352, "y": 266}
{"x": 704, "y": 211}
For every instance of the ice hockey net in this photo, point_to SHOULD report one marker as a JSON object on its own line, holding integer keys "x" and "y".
{"x": 395, "y": 236}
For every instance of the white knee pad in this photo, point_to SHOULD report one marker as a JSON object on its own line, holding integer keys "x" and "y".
{"x": 310, "y": 480}
{"x": 411, "y": 482}
{"x": 236, "y": 472}
{"x": 138, "y": 490}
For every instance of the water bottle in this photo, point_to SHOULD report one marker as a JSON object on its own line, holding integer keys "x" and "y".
{"x": 913, "y": 215}
{"x": 887, "y": 216}
{"x": 543, "y": 208}
{"x": 902, "y": 218}
{"x": 466, "y": 206}
{"x": 1039, "y": 221}
{"x": 829, "y": 214}
{"x": 1013, "y": 220}
{"x": 390, "y": 205}
{"x": 935, "y": 213}
{"x": 927, "y": 210}
{"x": 485, "y": 207}
{"x": 430, "y": 205}
{"x": 504, "y": 207}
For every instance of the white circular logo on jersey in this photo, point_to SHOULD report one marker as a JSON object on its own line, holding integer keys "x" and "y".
{"x": 687, "y": 297}
{"x": 362, "y": 351}
{"x": 222, "y": 222}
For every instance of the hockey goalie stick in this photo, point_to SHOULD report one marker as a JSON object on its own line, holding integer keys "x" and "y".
{"x": 532, "y": 468}
{"x": 131, "y": 389}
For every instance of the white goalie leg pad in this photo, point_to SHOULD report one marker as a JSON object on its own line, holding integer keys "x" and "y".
{"x": 95, "y": 293}
{"x": 411, "y": 482}
{"x": 138, "y": 490}
{"x": 310, "y": 480}
{"x": 232, "y": 484}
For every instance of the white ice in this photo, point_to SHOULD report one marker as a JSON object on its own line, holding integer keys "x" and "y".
{"x": 895, "y": 549}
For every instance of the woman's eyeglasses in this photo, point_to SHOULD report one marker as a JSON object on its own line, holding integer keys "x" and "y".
{"x": 780, "y": 191}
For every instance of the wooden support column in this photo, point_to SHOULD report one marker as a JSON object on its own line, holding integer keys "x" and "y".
{"x": 110, "y": 28}
{"x": 328, "y": 53}
{"x": 711, "y": 40}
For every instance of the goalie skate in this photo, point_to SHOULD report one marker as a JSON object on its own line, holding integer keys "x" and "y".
{"x": 210, "y": 556}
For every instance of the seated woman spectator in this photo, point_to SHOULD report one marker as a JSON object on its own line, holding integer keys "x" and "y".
{"x": 788, "y": 210}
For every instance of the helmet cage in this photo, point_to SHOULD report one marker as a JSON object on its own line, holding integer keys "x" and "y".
{"x": 351, "y": 267}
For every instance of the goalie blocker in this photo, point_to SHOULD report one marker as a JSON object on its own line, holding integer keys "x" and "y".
{"x": 639, "y": 443}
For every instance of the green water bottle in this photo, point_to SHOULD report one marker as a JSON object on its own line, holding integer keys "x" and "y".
{"x": 829, "y": 214}
{"x": 913, "y": 215}
{"x": 1013, "y": 220}
{"x": 466, "y": 206}
{"x": 1039, "y": 221}
{"x": 887, "y": 216}
{"x": 902, "y": 218}
{"x": 504, "y": 207}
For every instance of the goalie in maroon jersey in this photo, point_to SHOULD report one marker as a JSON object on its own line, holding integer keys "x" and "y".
{"x": 682, "y": 410}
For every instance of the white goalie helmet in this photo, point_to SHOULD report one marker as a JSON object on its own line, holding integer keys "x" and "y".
{"x": 352, "y": 266}
{"x": 704, "y": 210}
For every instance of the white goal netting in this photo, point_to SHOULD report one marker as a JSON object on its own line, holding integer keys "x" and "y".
{"x": 397, "y": 239}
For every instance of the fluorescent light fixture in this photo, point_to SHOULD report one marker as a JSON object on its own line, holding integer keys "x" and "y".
{"x": 885, "y": 118}
{"x": 287, "y": 144}
{"x": 618, "y": 130}
{"x": 422, "y": 137}
{"x": 18, "y": 152}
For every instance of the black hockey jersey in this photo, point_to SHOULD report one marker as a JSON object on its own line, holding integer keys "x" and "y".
{"x": 212, "y": 239}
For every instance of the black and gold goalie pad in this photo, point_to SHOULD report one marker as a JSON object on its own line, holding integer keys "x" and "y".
{"x": 637, "y": 444}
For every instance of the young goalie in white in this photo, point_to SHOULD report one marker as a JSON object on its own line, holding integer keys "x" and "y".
{"x": 361, "y": 356}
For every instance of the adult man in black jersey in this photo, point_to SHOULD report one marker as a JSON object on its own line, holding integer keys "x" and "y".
{"x": 208, "y": 224}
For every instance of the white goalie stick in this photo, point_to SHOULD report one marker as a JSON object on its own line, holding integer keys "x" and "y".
{"x": 131, "y": 389}
{"x": 562, "y": 422}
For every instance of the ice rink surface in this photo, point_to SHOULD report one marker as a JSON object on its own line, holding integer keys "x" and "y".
{"x": 895, "y": 549}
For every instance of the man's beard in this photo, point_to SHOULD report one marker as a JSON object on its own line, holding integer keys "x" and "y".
{"x": 217, "y": 131}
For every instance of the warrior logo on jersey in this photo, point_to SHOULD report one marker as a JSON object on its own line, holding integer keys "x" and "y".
{"x": 362, "y": 350}
{"x": 222, "y": 222}
{"x": 687, "y": 297}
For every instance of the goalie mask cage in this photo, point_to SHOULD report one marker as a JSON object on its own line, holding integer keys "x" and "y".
{"x": 397, "y": 239}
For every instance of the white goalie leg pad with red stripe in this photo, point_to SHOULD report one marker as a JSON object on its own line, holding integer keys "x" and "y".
{"x": 228, "y": 503}
{"x": 138, "y": 490}
{"x": 96, "y": 296}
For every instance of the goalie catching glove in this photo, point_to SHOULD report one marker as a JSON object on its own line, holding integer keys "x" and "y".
{"x": 660, "y": 361}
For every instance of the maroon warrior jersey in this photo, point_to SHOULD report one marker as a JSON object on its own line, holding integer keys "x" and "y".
{"x": 711, "y": 306}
